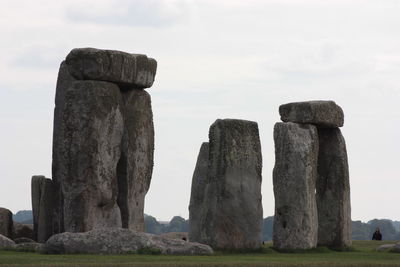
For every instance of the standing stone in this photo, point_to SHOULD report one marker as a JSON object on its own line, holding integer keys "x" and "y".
{"x": 320, "y": 113}
{"x": 6, "y": 223}
{"x": 135, "y": 166}
{"x": 333, "y": 190}
{"x": 103, "y": 141}
{"x": 199, "y": 182}
{"x": 233, "y": 208}
{"x": 86, "y": 149}
{"x": 42, "y": 207}
{"x": 294, "y": 178}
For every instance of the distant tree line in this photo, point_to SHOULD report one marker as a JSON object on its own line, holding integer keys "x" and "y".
{"x": 360, "y": 231}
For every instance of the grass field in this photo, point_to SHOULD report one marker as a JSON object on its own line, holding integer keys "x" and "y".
{"x": 362, "y": 254}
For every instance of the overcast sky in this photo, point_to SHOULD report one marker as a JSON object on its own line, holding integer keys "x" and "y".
{"x": 216, "y": 59}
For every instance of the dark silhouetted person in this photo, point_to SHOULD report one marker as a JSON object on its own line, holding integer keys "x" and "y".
{"x": 377, "y": 235}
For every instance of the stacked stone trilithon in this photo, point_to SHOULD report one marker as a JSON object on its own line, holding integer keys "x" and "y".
{"x": 311, "y": 177}
{"x": 103, "y": 141}
{"x": 225, "y": 209}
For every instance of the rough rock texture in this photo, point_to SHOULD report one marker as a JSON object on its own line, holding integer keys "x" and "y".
{"x": 176, "y": 235}
{"x": 135, "y": 166}
{"x": 199, "y": 183}
{"x": 103, "y": 140}
{"x": 320, "y": 113}
{"x": 118, "y": 67}
{"x": 5, "y": 242}
{"x": 6, "y": 223}
{"x": 23, "y": 230}
{"x": 88, "y": 128}
{"x": 233, "y": 209}
{"x": 42, "y": 207}
{"x": 119, "y": 241}
{"x": 294, "y": 178}
{"x": 21, "y": 240}
{"x": 333, "y": 190}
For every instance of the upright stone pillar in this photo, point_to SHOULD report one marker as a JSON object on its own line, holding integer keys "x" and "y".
{"x": 332, "y": 181}
{"x": 333, "y": 190}
{"x": 199, "y": 183}
{"x": 135, "y": 166}
{"x": 6, "y": 223}
{"x": 231, "y": 216}
{"x": 42, "y": 207}
{"x": 294, "y": 177}
{"x": 103, "y": 140}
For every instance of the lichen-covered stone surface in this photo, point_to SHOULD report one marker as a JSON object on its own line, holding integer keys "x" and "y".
{"x": 6, "y": 223}
{"x": 42, "y": 192}
{"x": 120, "y": 241}
{"x": 199, "y": 183}
{"x": 86, "y": 151}
{"x": 294, "y": 178}
{"x": 122, "y": 68}
{"x": 233, "y": 210}
{"x": 333, "y": 190}
{"x": 135, "y": 166}
{"x": 320, "y": 113}
{"x": 6, "y": 242}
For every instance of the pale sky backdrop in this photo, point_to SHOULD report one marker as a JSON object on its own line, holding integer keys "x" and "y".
{"x": 216, "y": 59}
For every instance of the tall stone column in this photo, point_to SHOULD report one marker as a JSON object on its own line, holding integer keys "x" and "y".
{"x": 231, "y": 214}
{"x": 197, "y": 197}
{"x": 294, "y": 178}
{"x": 135, "y": 166}
{"x": 42, "y": 207}
{"x": 333, "y": 190}
{"x": 103, "y": 140}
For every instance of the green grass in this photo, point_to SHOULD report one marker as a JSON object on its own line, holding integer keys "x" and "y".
{"x": 362, "y": 254}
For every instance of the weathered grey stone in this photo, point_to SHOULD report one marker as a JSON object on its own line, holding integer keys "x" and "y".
{"x": 294, "y": 178}
{"x": 333, "y": 190}
{"x": 42, "y": 207}
{"x": 88, "y": 129}
{"x": 320, "y": 113}
{"x": 135, "y": 166}
{"x": 5, "y": 242}
{"x": 176, "y": 235}
{"x": 199, "y": 183}
{"x": 119, "y": 67}
{"x": 6, "y": 223}
{"x": 21, "y": 240}
{"x": 233, "y": 209}
{"x": 23, "y": 230}
{"x": 103, "y": 143}
{"x": 119, "y": 241}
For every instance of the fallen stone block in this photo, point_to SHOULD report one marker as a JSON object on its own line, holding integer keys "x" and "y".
{"x": 121, "y": 241}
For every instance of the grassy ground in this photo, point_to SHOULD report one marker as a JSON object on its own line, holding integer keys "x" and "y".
{"x": 363, "y": 254}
